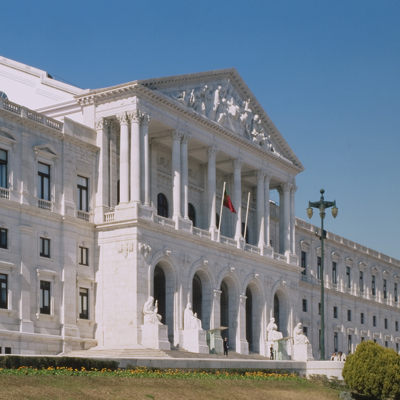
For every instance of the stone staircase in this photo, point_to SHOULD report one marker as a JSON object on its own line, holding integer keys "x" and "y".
{"x": 141, "y": 352}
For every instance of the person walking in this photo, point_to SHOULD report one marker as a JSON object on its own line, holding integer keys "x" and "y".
{"x": 271, "y": 352}
{"x": 226, "y": 347}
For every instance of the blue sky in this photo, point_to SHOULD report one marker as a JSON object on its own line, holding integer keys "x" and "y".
{"x": 326, "y": 72}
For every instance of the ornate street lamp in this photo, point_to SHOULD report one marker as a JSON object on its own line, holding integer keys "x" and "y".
{"x": 322, "y": 205}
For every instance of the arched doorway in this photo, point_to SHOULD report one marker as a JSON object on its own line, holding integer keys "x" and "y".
{"x": 201, "y": 297}
{"x": 164, "y": 289}
{"x": 197, "y": 296}
{"x": 281, "y": 312}
{"x": 229, "y": 310}
{"x": 249, "y": 318}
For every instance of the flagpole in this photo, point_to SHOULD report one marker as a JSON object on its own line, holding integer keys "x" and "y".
{"x": 247, "y": 216}
{"x": 220, "y": 214}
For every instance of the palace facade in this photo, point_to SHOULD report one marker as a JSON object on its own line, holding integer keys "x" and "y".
{"x": 112, "y": 195}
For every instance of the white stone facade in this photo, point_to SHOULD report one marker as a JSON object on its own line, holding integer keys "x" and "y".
{"x": 151, "y": 158}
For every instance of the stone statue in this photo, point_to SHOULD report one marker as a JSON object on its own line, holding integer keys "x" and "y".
{"x": 272, "y": 331}
{"x": 190, "y": 320}
{"x": 298, "y": 336}
{"x": 150, "y": 312}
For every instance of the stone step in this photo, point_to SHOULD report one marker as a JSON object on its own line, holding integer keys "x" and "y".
{"x": 117, "y": 353}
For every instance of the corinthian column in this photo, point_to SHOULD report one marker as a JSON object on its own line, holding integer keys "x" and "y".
{"x": 237, "y": 198}
{"x": 212, "y": 190}
{"x": 185, "y": 175}
{"x": 286, "y": 217}
{"x": 123, "y": 158}
{"x": 292, "y": 220}
{"x": 135, "y": 118}
{"x": 176, "y": 174}
{"x": 260, "y": 209}
{"x": 146, "y": 159}
{"x": 153, "y": 152}
{"x": 267, "y": 218}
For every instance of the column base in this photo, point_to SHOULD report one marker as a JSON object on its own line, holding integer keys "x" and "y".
{"x": 126, "y": 211}
{"x": 194, "y": 341}
{"x": 155, "y": 337}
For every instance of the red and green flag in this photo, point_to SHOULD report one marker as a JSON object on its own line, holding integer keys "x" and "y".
{"x": 228, "y": 203}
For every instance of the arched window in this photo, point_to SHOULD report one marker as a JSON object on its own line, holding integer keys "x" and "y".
{"x": 247, "y": 231}
{"x": 162, "y": 205}
{"x": 3, "y": 96}
{"x": 217, "y": 220}
{"x": 192, "y": 213}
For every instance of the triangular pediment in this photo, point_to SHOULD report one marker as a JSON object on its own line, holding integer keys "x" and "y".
{"x": 46, "y": 150}
{"x": 223, "y": 97}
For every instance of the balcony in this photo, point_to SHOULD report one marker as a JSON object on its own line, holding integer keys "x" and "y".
{"x": 83, "y": 215}
{"x": 5, "y": 193}
{"x": 45, "y": 204}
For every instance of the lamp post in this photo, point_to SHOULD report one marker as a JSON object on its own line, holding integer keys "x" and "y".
{"x": 322, "y": 205}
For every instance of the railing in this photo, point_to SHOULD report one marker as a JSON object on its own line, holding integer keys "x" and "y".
{"x": 361, "y": 294}
{"x": 228, "y": 241}
{"x": 46, "y": 205}
{"x": 280, "y": 257}
{"x": 5, "y": 193}
{"x": 201, "y": 233}
{"x": 252, "y": 249}
{"x": 109, "y": 217}
{"x": 303, "y": 278}
{"x": 164, "y": 221}
{"x": 335, "y": 286}
{"x": 9, "y": 106}
{"x": 34, "y": 116}
{"x": 83, "y": 215}
{"x": 349, "y": 290}
{"x": 52, "y": 123}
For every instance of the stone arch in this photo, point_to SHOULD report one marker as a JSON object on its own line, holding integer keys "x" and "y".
{"x": 229, "y": 307}
{"x": 201, "y": 294}
{"x": 163, "y": 287}
{"x": 281, "y": 309}
{"x": 254, "y": 312}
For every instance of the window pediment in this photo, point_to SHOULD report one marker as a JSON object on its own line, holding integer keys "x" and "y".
{"x": 374, "y": 270}
{"x": 8, "y": 137}
{"x": 305, "y": 246}
{"x": 335, "y": 257}
{"x": 349, "y": 262}
{"x": 386, "y": 274}
{"x": 362, "y": 266}
{"x": 46, "y": 151}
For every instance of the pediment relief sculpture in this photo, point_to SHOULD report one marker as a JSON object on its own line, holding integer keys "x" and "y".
{"x": 221, "y": 104}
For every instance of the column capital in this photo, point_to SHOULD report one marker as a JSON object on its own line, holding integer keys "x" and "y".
{"x": 212, "y": 151}
{"x": 238, "y": 163}
{"x": 185, "y": 138}
{"x": 145, "y": 118}
{"x": 293, "y": 189}
{"x": 153, "y": 144}
{"x": 176, "y": 134}
{"x": 135, "y": 116}
{"x": 260, "y": 174}
{"x": 122, "y": 118}
{"x": 286, "y": 187}
{"x": 101, "y": 123}
{"x": 267, "y": 176}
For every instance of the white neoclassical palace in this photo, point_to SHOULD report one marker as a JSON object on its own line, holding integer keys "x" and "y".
{"x": 113, "y": 195}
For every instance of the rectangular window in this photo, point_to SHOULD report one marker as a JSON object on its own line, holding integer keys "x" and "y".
{"x": 335, "y": 341}
{"x": 374, "y": 340}
{"x": 44, "y": 181}
{"x": 319, "y": 339}
{"x": 319, "y": 267}
{"x": 397, "y": 347}
{"x": 384, "y": 289}
{"x": 373, "y": 320}
{"x": 395, "y": 293}
{"x": 83, "y": 256}
{"x": 334, "y": 273}
{"x": 3, "y": 238}
{"x": 386, "y": 344}
{"x": 348, "y": 277}
{"x": 44, "y": 297}
{"x": 3, "y": 291}
{"x": 7, "y": 350}
{"x": 304, "y": 262}
{"x": 349, "y": 344}
{"x": 373, "y": 288}
{"x": 362, "y": 318}
{"x": 348, "y": 315}
{"x": 386, "y": 323}
{"x": 3, "y": 169}
{"x": 334, "y": 312}
{"x": 44, "y": 247}
{"x": 362, "y": 339}
{"x": 305, "y": 330}
{"x": 361, "y": 281}
{"x": 396, "y": 326}
{"x": 304, "y": 305}
{"x": 83, "y": 204}
{"x": 83, "y": 303}
{"x": 319, "y": 308}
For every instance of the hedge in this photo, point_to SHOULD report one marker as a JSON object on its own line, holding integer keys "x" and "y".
{"x": 373, "y": 371}
{"x": 46, "y": 362}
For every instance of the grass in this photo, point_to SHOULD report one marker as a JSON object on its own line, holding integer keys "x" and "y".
{"x": 142, "y": 383}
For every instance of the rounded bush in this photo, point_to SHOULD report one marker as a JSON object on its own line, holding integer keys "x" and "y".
{"x": 373, "y": 371}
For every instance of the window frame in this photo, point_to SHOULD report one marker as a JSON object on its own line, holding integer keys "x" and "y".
{"x": 319, "y": 266}
{"x": 361, "y": 282}
{"x": 45, "y": 310}
{"x": 162, "y": 207}
{"x": 348, "y": 277}
{"x": 349, "y": 315}
{"x": 81, "y": 251}
{"x": 362, "y": 318}
{"x": 40, "y": 185}
{"x": 192, "y": 213}
{"x": 335, "y": 312}
{"x": 304, "y": 305}
{"x": 304, "y": 262}
{"x": 5, "y": 164}
{"x": 334, "y": 273}
{"x": 4, "y": 305}
{"x": 374, "y": 320}
{"x": 82, "y": 296}
{"x": 4, "y": 246}
{"x": 373, "y": 285}
{"x": 80, "y": 191}
{"x": 42, "y": 241}
{"x": 384, "y": 288}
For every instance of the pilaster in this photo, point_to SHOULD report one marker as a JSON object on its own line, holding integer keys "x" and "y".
{"x": 124, "y": 158}
{"x": 237, "y": 202}
{"x": 212, "y": 190}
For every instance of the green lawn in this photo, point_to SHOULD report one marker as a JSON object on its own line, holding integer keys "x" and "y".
{"x": 109, "y": 387}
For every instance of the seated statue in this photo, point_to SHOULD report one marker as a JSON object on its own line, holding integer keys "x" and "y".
{"x": 190, "y": 320}
{"x": 298, "y": 336}
{"x": 272, "y": 331}
{"x": 150, "y": 312}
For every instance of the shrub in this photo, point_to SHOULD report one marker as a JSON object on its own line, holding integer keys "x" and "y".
{"x": 46, "y": 362}
{"x": 373, "y": 371}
